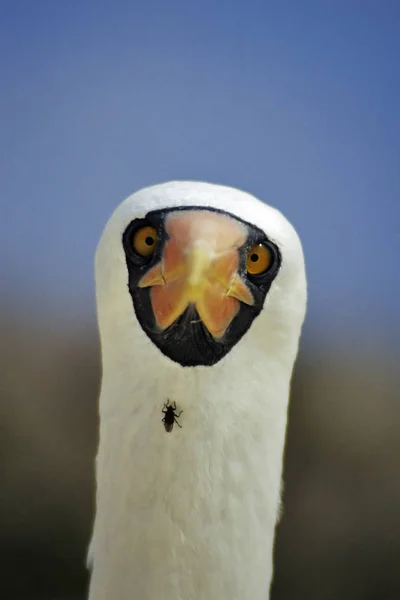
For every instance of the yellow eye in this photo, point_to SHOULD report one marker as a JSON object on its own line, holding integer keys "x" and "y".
{"x": 259, "y": 259}
{"x": 145, "y": 241}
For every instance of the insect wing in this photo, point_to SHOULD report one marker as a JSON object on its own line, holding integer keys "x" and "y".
{"x": 168, "y": 426}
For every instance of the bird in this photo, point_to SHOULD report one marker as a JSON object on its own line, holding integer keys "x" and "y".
{"x": 201, "y": 295}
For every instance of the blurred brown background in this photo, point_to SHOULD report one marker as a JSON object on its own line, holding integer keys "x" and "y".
{"x": 339, "y": 537}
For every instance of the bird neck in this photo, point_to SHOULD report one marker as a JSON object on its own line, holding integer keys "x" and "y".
{"x": 189, "y": 513}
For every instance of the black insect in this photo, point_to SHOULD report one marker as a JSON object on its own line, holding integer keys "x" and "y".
{"x": 170, "y": 416}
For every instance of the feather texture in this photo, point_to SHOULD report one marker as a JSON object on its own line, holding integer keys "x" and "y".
{"x": 191, "y": 515}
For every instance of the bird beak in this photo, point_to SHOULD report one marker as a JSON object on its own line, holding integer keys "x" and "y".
{"x": 199, "y": 267}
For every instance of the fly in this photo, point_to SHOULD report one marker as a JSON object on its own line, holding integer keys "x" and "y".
{"x": 170, "y": 416}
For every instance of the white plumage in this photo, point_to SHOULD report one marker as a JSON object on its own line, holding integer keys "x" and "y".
{"x": 191, "y": 514}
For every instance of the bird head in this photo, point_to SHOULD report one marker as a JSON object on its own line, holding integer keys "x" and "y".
{"x": 196, "y": 265}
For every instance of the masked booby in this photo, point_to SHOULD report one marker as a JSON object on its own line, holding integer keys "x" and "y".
{"x": 201, "y": 296}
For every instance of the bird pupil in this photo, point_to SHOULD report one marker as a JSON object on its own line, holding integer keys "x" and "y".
{"x": 149, "y": 240}
{"x": 254, "y": 257}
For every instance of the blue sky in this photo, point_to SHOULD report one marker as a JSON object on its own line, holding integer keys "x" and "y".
{"x": 296, "y": 102}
